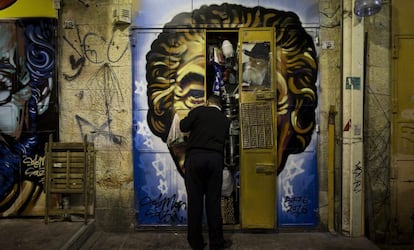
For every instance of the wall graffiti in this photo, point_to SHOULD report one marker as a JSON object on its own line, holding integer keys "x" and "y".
{"x": 164, "y": 209}
{"x": 105, "y": 92}
{"x": 27, "y": 79}
{"x": 93, "y": 131}
{"x": 88, "y": 47}
{"x": 103, "y": 86}
{"x": 160, "y": 199}
{"x": 357, "y": 177}
{"x": 35, "y": 168}
{"x": 296, "y": 205}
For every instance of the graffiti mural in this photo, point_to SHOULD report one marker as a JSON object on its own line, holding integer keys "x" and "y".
{"x": 169, "y": 70}
{"x": 27, "y": 114}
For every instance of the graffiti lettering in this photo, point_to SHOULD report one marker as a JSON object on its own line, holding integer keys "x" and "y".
{"x": 166, "y": 209}
{"x": 36, "y": 167}
{"x": 89, "y": 48}
{"x": 296, "y": 205}
{"x": 357, "y": 173}
{"x": 91, "y": 53}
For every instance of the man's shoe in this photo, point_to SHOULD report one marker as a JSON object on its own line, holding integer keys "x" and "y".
{"x": 227, "y": 244}
{"x": 200, "y": 248}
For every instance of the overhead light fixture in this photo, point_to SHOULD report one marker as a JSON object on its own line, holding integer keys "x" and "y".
{"x": 363, "y": 8}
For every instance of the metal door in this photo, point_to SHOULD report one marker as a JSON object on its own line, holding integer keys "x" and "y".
{"x": 258, "y": 128}
{"x": 402, "y": 174}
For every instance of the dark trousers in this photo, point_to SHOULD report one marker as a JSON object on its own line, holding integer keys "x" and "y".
{"x": 203, "y": 180}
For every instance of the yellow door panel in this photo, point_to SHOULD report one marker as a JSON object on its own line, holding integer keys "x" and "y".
{"x": 258, "y": 128}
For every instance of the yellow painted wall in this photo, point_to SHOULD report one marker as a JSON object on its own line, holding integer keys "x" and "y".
{"x": 29, "y": 8}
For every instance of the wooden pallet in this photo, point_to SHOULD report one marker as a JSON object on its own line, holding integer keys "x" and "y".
{"x": 69, "y": 178}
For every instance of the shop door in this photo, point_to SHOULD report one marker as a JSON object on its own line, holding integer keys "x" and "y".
{"x": 402, "y": 179}
{"x": 258, "y": 128}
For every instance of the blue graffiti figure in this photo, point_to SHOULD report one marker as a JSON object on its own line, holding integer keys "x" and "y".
{"x": 26, "y": 80}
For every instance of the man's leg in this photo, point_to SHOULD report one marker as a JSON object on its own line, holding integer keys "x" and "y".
{"x": 213, "y": 201}
{"x": 195, "y": 203}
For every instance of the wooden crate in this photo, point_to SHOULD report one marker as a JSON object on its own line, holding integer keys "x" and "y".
{"x": 69, "y": 178}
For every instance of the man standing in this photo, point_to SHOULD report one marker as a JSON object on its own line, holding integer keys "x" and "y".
{"x": 204, "y": 163}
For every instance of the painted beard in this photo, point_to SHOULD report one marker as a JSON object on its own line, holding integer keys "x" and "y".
{"x": 253, "y": 75}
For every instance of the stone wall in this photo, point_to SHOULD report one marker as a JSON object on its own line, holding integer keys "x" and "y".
{"x": 95, "y": 100}
{"x": 330, "y": 49}
{"x": 377, "y": 115}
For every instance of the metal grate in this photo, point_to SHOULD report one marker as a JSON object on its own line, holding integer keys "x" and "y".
{"x": 257, "y": 129}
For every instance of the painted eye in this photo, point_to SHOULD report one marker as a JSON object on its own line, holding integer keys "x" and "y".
{"x": 5, "y": 85}
{"x": 193, "y": 83}
{"x": 196, "y": 93}
{"x": 256, "y": 62}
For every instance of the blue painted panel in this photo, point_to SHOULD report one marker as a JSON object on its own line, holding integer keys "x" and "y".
{"x": 160, "y": 193}
{"x": 298, "y": 190}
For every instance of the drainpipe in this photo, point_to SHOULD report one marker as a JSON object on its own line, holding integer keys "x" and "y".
{"x": 352, "y": 120}
{"x": 331, "y": 169}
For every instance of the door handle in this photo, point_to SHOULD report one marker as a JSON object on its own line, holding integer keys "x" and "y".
{"x": 265, "y": 95}
{"x": 265, "y": 168}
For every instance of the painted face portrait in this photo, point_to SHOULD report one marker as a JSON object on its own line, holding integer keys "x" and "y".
{"x": 14, "y": 89}
{"x": 176, "y": 72}
{"x": 14, "y": 95}
{"x": 256, "y": 70}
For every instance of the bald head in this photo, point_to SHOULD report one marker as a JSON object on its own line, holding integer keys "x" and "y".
{"x": 214, "y": 100}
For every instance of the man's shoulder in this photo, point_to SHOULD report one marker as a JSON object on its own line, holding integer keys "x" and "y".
{"x": 198, "y": 108}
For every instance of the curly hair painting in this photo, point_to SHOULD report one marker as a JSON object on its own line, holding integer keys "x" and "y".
{"x": 176, "y": 71}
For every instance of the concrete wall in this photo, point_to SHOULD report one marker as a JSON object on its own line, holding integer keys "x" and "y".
{"x": 329, "y": 94}
{"x": 377, "y": 130}
{"x": 95, "y": 99}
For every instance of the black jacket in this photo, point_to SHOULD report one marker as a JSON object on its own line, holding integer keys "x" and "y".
{"x": 208, "y": 128}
